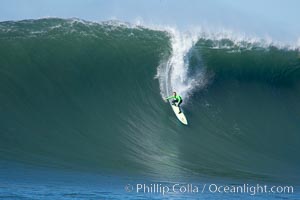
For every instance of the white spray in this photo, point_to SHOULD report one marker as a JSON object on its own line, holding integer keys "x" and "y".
{"x": 173, "y": 74}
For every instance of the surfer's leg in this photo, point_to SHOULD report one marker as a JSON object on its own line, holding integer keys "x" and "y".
{"x": 179, "y": 106}
{"x": 179, "y": 103}
{"x": 174, "y": 102}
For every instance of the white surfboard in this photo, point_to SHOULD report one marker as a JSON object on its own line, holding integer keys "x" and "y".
{"x": 180, "y": 116}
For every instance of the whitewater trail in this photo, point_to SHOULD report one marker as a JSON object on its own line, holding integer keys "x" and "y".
{"x": 173, "y": 74}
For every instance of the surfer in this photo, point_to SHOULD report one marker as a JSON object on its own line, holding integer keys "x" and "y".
{"x": 176, "y": 99}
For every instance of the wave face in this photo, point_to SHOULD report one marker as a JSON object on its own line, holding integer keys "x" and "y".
{"x": 82, "y": 95}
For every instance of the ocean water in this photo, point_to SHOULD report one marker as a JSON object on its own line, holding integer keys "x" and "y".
{"x": 83, "y": 113}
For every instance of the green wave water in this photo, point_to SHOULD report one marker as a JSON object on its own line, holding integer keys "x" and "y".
{"x": 83, "y": 95}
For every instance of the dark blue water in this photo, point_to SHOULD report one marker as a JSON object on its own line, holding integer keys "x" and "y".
{"x": 20, "y": 181}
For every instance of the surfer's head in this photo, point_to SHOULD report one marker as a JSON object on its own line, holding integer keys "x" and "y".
{"x": 174, "y": 93}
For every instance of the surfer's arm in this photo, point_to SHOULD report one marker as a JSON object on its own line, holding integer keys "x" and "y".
{"x": 170, "y": 97}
